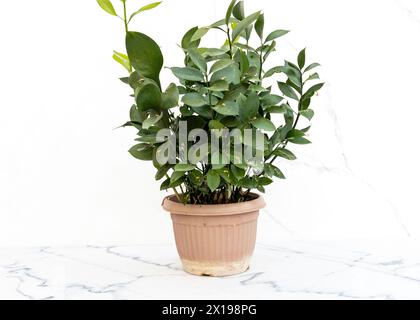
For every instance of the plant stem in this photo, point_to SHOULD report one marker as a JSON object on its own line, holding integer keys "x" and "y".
{"x": 125, "y": 16}
{"x": 230, "y": 42}
{"x": 180, "y": 199}
{"x": 261, "y": 63}
{"x": 126, "y": 26}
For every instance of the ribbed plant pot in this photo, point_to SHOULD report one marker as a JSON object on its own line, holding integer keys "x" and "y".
{"x": 215, "y": 240}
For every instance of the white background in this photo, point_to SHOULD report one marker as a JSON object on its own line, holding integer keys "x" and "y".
{"x": 66, "y": 177}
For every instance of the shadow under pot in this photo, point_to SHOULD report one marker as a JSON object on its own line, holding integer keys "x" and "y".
{"x": 215, "y": 240}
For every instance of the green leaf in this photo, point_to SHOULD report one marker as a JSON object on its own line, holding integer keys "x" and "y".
{"x": 176, "y": 175}
{"x": 151, "y": 121}
{"x": 165, "y": 185}
{"x": 259, "y": 26}
{"x": 311, "y": 91}
{"x": 136, "y": 115}
{"x": 227, "y": 108}
{"x": 145, "y": 8}
{"x": 314, "y": 76}
{"x": 294, "y": 76}
{"x": 239, "y": 11}
{"x": 272, "y": 71}
{"x": 249, "y": 108}
{"x": 170, "y": 98}
{"x": 219, "y": 86}
{"x": 238, "y": 173}
{"x": 225, "y": 174}
{"x": 272, "y": 170}
{"x": 284, "y": 153}
{"x": 216, "y": 124}
{"x": 162, "y": 171}
{"x": 194, "y": 99}
{"x": 204, "y": 111}
{"x": 287, "y": 91}
{"x": 276, "y": 109}
{"x": 148, "y": 97}
{"x": 122, "y": 59}
{"x": 107, "y": 6}
{"x": 214, "y": 52}
{"x": 312, "y": 66}
{"x": 257, "y": 88}
{"x": 302, "y": 58}
{"x": 198, "y": 59}
{"x": 263, "y": 124}
{"x": 308, "y": 114}
{"x": 145, "y": 55}
{"x": 196, "y": 177}
{"x": 271, "y": 99}
{"x": 229, "y": 11}
{"x": 187, "y": 73}
{"x": 295, "y": 133}
{"x": 276, "y": 34}
{"x": 299, "y": 140}
{"x": 213, "y": 180}
{"x": 184, "y": 167}
{"x": 142, "y": 151}
{"x": 221, "y": 64}
{"x": 245, "y": 23}
{"x": 199, "y": 33}
{"x": 231, "y": 74}
{"x": 186, "y": 40}
{"x": 264, "y": 181}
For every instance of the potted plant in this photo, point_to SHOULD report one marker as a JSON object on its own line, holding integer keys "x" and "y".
{"x": 215, "y": 135}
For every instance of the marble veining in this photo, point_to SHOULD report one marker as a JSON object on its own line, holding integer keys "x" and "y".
{"x": 298, "y": 269}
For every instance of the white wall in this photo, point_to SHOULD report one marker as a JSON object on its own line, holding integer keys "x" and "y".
{"x": 66, "y": 176}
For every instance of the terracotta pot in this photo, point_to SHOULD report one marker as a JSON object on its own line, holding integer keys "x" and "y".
{"x": 215, "y": 240}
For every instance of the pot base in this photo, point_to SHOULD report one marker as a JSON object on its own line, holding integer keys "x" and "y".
{"x": 216, "y": 269}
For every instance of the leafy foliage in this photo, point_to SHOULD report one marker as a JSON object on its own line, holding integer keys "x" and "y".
{"x": 226, "y": 87}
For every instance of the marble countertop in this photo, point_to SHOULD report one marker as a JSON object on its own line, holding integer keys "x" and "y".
{"x": 297, "y": 269}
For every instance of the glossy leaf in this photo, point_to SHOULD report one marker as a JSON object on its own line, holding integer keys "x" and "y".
{"x": 187, "y": 73}
{"x": 287, "y": 90}
{"x": 170, "y": 98}
{"x": 142, "y": 151}
{"x": 198, "y": 59}
{"x": 227, "y": 108}
{"x": 312, "y": 66}
{"x": 242, "y": 25}
{"x": 302, "y": 58}
{"x": 122, "y": 59}
{"x": 199, "y": 33}
{"x": 308, "y": 114}
{"x": 264, "y": 124}
{"x": 145, "y": 8}
{"x": 249, "y": 108}
{"x": 184, "y": 167}
{"x": 194, "y": 99}
{"x": 229, "y": 11}
{"x": 259, "y": 26}
{"x": 186, "y": 42}
{"x": 145, "y": 55}
{"x": 107, "y": 6}
{"x": 162, "y": 171}
{"x": 276, "y": 34}
{"x": 149, "y": 97}
{"x": 284, "y": 153}
{"x": 220, "y": 65}
{"x": 219, "y": 85}
{"x": 213, "y": 179}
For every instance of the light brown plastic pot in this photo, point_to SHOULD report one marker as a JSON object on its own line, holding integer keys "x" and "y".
{"x": 215, "y": 240}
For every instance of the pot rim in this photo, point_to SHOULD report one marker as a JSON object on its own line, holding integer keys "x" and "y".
{"x": 174, "y": 207}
